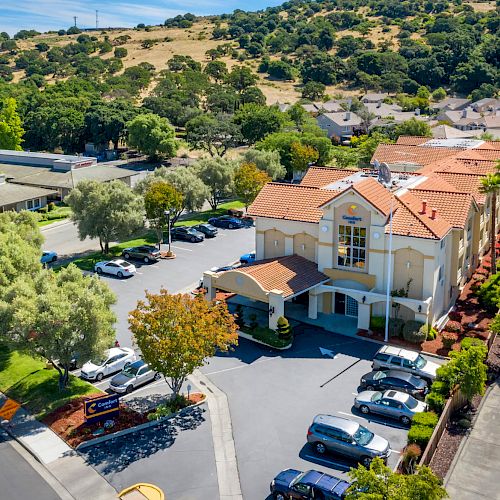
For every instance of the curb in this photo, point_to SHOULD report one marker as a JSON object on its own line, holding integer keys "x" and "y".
{"x": 56, "y": 223}
{"x": 131, "y": 430}
{"x": 456, "y": 458}
{"x": 247, "y": 336}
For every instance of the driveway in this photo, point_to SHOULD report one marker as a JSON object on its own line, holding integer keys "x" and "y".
{"x": 273, "y": 398}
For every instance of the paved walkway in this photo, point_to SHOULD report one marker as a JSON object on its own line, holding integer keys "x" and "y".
{"x": 222, "y": 435}
{"x": 63, "y": 465}
{"x": 474, "y": 472}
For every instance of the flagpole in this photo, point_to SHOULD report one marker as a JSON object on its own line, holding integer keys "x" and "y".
{"x": 389, "y": 272}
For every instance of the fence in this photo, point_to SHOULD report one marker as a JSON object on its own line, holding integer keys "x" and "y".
{"x": 457, "y": 400}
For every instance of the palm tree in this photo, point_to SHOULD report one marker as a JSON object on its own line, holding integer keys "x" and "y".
{"x": 490, "y": 186}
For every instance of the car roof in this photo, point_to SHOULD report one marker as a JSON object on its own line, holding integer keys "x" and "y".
{"x": 137, "y": 364}
{"x": 325, "y": 482}
{"x": 400, "y": 374}
{"x": 397, "y": 351}
{"x": 343, "y": 424}
{"x": 400, "y": 397}
{"x": 114, "y": 351}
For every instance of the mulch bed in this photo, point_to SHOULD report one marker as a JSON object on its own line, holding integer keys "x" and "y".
{"x": 68, "y": 421}
{"x": 449, "y": 444}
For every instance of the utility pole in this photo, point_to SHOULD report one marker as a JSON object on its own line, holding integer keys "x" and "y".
{"x": 75, "y": 18}
{"x": 96, "y": 19}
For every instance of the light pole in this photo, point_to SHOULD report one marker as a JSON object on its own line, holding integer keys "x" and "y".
{"x": 167, "y": 215}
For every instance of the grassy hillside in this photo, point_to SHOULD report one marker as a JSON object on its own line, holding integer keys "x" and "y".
{"x": 196, "y": 40}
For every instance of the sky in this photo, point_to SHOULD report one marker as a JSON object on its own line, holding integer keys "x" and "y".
{"x": 44, "y": 15}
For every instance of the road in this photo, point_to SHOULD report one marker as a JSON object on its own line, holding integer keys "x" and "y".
{"x": 17, "y": 478}
{"x": 63, "y": 239}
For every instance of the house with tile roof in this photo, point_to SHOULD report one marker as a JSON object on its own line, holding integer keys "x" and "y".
{"x": 325, "y": 243}
{"x": 340, "y": 126}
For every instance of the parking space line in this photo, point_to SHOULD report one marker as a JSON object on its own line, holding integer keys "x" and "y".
{"x": 340, "y": 373}
{"x": 182, "y": 248}
{"x": 147, "y": 386}
{"x": 354, "y": 393}
{"x": 350, "y": 415}
{"x": 329, "y": 463}
{"x": 396, "y": 451}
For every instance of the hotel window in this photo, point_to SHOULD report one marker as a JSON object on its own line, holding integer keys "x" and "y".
{"x": 469, "y": 229}
{"x": 352, "y": 247}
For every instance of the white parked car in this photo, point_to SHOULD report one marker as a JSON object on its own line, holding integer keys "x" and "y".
{"x": 113, "y": 361}
{"x": 413, "y": 362}
{"x": 118, "y": 267}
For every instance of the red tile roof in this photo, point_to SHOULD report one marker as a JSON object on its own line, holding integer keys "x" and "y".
{"x": 412, "y": 140}
{"x": 454, "y": 207}
{"x": 290, "y": 201}
{"x": 322, "y": 176}
{"x": 376, "y": 194}
{"x": 291, "y": 274}
{"x": 417, "y": 155}
{"x": 408, "y": 220}
{"x": 465, "y": 183}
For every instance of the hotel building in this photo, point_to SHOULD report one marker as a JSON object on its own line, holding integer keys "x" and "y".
{"x": 333, "y": 241}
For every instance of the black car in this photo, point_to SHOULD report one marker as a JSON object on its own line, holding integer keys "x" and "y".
{"x": 187, "y": 234}
{"x": 291, "y": 483}
{"x": 382, "y": 380}
{"x": 207, "y": 229}
{"x": 147, "y": 253}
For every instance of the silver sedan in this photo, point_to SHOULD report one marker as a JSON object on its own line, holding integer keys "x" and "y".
{"x": 393, "y": 404}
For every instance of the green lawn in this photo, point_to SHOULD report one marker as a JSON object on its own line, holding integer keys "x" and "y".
{"x": 26, "y": 380}
{"x": 200, "y": 217}
{"x": 87, "y": 262}
{"x": 59, "y": 213}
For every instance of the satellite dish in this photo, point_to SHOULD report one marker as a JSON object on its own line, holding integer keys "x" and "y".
{"x": 376, "y": 164}
{"x": 384, "y": 173}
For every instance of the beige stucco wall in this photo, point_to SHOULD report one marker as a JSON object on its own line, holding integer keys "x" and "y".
{"x": 274, "y": 244}
{"x": 305, "y": 246}
{"x": 237, "y": 282}
{"x": 409, "y": 265}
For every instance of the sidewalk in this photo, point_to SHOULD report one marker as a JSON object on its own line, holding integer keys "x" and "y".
{"x": 76, "y": 479}
{"x": 474, "y": 472}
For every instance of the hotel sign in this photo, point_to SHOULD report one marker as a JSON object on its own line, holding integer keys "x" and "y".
{"x": 351, "y": 217}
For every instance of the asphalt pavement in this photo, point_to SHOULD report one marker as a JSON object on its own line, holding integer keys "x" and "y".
{"x": 273, "y": 397}
{"x": 18, "y": 479}
{"x": 180, "y": 274}
{"x": 63, "y": 238}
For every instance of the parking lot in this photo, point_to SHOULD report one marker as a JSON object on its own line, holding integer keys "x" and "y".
{"x": 180, "y": 274}
{"x": 273, "y": 398}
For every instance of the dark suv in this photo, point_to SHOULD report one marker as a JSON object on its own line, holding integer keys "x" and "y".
{"x": 291, "y": 483}
{"x": 187, "y": 234}
{"x": 382, "y": 380}
{"x": 147, "y": 253}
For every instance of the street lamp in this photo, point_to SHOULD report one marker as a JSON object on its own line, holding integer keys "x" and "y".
{"x": 167, "y": 215}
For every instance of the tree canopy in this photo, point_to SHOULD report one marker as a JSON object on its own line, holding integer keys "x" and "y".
{"x": 11, "y": 129}
{"x": 248, "y": 181}
{"x": 217, "y": 174}
{"x": 109, "y": 211}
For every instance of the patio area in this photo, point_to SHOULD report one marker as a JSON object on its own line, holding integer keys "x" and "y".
{"x": 296, "y": 315}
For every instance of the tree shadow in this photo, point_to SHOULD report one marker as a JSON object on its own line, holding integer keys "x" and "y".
{"x": 117, "y": 454}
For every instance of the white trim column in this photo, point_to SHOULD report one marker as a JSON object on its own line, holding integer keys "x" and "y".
{"x": 288, "y": 245}
{"x": 364, "y": 312}
{"x": 209, "y": 285}
{"x": 312, "y": 313}
{"x": 276, "y": 307}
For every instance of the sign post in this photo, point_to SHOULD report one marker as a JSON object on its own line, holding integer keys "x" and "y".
{"x": 102, "y": 408}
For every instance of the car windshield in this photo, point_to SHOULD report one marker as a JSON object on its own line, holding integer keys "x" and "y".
{"x": 376, "y": 396}
{"x": 420, "y": 362}
{"x": 379, "y": 375}
{"x": 298, "y": 478}
{"x": 363, "y": 436}
{"x": 131, "y": 371}
{"x": 100, "y": 360}
{"x": 411, "y": 403}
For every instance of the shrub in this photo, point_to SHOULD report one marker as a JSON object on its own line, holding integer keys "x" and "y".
{"x": 435, "y": 401}
{"x": 284, "y": 329}
{"x": 51, "y": 206}
{"x": 448, "y": 339}
{"x": 410, "y": 456}
{"x": 121, "y": 52}
{"x": 455, "y": 316}
{"x": 253, "y": 321}
{"x": 431, "y": 333}
{"x": 427, "y": 419}
{"x": 453, "y": 326}
{"x": 440, "y": 387}
{"x": 395, "y": 327}
{"x": 377, "y": 323}
{"x": 420, "y": 434}
{"x": 412, "y": 332}
{"x": 464, "y": 423}
{"x": 43, "y": 210}
{"x": 240, "y": 320}
{"x": 489, "y": 293}
{"x": 468, "y": 342}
